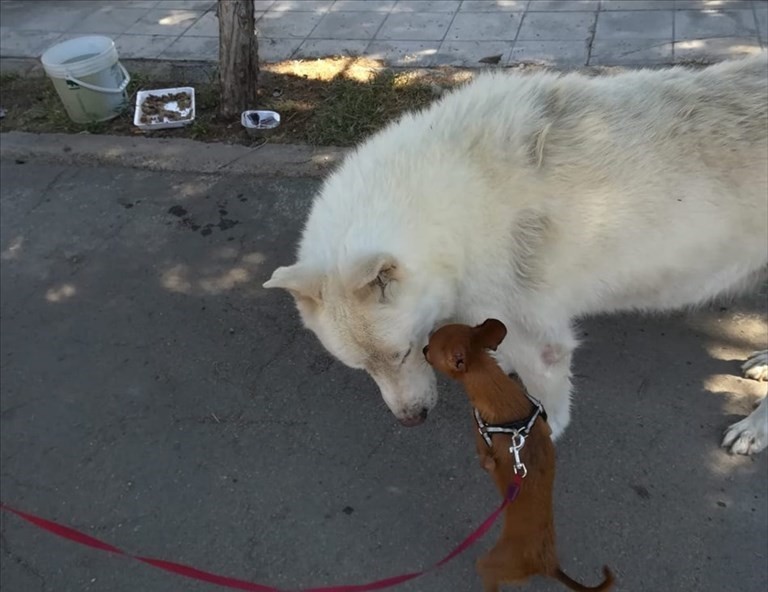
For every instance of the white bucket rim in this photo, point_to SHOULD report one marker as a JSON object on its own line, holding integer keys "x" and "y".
{"x": 53, "y": 60}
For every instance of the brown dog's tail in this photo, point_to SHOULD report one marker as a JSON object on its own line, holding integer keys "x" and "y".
{"x": 565, "y": 579}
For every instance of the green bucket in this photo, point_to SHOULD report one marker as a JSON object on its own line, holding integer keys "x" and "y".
{"x": 88, "y": 78}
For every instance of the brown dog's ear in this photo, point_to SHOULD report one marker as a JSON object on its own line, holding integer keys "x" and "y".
{"x": 490, "y": 334}
{"x": 457, "y": 359}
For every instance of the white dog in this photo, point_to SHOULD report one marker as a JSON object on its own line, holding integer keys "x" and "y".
{"x": 538, "y": 199}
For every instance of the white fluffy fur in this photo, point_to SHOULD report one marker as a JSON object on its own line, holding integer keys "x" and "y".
{"x": 538, "y": 199}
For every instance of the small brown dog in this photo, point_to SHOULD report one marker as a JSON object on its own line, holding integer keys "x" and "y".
{"x": 522, "y": 447}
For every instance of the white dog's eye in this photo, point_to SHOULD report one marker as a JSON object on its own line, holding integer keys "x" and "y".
{"x": 404, "y": 356}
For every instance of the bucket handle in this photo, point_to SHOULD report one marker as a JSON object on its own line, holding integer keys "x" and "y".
{"x": 102, "y": 89}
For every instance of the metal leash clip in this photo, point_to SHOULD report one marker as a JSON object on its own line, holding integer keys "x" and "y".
{"x": 518, "y": 441}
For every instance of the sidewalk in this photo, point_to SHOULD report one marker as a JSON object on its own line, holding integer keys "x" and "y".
{"x": 405, "y": 32}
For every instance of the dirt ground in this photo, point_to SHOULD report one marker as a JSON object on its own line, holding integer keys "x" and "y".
{"x": 333, "y": 101}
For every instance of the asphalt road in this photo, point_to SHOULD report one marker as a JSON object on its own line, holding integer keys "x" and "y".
{"x": 155, "y": 396}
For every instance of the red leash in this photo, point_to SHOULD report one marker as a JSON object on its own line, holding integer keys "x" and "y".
{"x": 197, "y": 574}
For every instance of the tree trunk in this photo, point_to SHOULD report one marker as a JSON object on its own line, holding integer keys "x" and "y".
{"x": 238, "y": 57}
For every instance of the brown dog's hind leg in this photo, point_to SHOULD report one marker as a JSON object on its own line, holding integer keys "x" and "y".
{"x": 489, "y": 574}
{"x": 566, "y": 580}
{"x": 500, "y": 566}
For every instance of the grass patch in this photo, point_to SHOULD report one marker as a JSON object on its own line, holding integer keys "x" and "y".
{"x": 334, "y": 101}
{"x": 351, "y": 110}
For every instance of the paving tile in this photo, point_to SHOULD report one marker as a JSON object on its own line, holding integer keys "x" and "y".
{"x": 42, "y": 17}
{"x": 321, "y": 48}
{"x": 262, "y": 4}
{"x": 635, "y": 24}
{"x": 557, "y": 26}
{"x": 761, "y": 11}
{"x": 90, "y": 4}
{"x": 405, "y": 53}
{"x": 472, "y": 26}
{"x": 426, "y": 6}
{"x": 469, "y": 53}
{"x": 165, "y": 22}
{"x": 301, "y": 6}
{"x": 128, "y": 3}
{"x": 194, "y": 48}
{"x": 616, "y": 52}
{"x": 566, "y": 53}
{"x": 714, "y": 4}
{"x": 716, "y": 48}
{"x": 143, "y": 46}
{"x": 696, "y": 24}
{"x": 493, "y": 5}
{"x": 26, "y": 44}
{"x": 349, "y": 25}
{"x": 277, "y": 50}
{"x": 109, "y": 19}
{"x": 206, "y": 26}
{"x": 285, "y": 25}
{"x": 636, "y": 4}
{"x": 14, "y": 15}
{"x": 364, "y": 5}
{"x": 186, "y": 4}
{"x": 562, "y": 5}
{"x": 425, "y": 26}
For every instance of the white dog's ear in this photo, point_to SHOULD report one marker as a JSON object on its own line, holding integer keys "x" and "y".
{"x": 300, "y": 282}
{"x": 377, "y": 274}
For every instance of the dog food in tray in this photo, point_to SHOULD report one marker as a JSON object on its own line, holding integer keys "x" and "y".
{"x": 164, "y": 108}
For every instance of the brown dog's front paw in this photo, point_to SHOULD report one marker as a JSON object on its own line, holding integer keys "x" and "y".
{"x": 488, "y": 463}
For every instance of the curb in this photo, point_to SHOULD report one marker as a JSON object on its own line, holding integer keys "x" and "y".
{"x": 174, "y": 155}
{"x": 193, "y": 72}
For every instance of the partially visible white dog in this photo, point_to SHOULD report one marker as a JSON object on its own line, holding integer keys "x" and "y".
{"x": 538, "y": 199}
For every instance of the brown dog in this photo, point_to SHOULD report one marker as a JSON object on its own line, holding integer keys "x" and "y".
{"x": 502, "y": 407}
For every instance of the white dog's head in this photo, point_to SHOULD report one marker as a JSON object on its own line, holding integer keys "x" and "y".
{"x": 375, "y": 315}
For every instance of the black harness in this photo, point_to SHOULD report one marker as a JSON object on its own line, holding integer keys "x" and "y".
{"x": 519, "y": 427}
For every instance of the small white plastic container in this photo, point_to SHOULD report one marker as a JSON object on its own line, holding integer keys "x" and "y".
{"x": 258, "y": 122}
{"x": 187, "y": 115}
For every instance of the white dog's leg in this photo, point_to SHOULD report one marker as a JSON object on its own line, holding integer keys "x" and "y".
{"x": 756, "y": 366}
{"x": 750, "y": 435}
{"x": 545, "y": 369}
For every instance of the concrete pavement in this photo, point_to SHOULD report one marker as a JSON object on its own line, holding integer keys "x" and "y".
{"x": 155, "y": 396}
{"x": 406, "y": 32}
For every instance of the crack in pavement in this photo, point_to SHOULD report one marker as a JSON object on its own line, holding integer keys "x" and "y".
{"x": 18, "y": 559}
{"x": 46, "y": 190}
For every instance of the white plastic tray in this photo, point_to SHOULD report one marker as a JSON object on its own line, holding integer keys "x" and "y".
{"x": 188, "y": 115}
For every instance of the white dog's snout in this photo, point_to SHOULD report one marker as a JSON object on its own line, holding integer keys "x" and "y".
{"x": 410, "y": 392}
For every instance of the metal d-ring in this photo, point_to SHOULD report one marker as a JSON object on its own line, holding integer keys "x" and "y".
{"x": 518, "y": 441}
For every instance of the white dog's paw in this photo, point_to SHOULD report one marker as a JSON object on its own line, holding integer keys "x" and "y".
{"x": 750, "y": 435}
{"x": 756, "y": 366}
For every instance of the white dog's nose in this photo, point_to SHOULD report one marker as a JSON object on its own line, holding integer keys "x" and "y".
{"x": 414, "y": 420}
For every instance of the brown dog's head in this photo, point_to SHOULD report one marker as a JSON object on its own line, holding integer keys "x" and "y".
{"x": 452, "y": 349}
